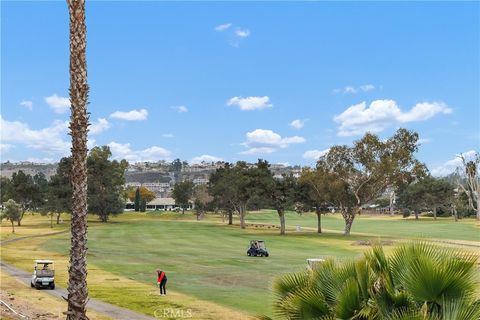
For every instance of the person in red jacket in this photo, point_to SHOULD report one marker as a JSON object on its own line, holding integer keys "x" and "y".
{"x": 162, "y": 281}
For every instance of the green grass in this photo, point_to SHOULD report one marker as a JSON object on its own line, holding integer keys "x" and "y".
{"x": 386, "y": 226}
{"x": 207, "y": 259}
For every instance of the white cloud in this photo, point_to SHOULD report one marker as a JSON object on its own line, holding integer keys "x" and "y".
{"x": 205, "y": 158}
{"x": 367, "y": 87}
{"x": 57, "y": 103}
{"x": 250, "y": 103}
{"x": 168, "y": 135}
{"x": 242, "y": 33}
{"x": 298, "y": 124}
{"x": 353, "y": 90}
{"x": 234, "y": 36}
{"x": 349, "y": 89}
{"x": 359, "y": 118}
{"x": 423, "y": 111}
{"x": 124, "y": 151}
{"x": 314, "y": 154}
{"x": 267, "y": 141}
{"x": 50, "y": 140}
{"x": 27, "y": 104}
{"x": 179, "y": 109}
{"x": 101, "y": 125}
{"x": 133, "y": 115}
{"x": 223, "y": 27}
{"x": 263, "y": 150}
{"x": 451, "y": 165}
{"x": 5, "y": 147}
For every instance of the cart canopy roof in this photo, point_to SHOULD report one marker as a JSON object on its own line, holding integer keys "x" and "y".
{"x": 43, "y": 261}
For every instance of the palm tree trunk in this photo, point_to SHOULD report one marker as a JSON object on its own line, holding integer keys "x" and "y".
{"x": 77, "y": 271}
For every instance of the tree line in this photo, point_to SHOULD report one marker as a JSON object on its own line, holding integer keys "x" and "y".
{"x": 347, "y": 179}
{"x": 106, "y": 195}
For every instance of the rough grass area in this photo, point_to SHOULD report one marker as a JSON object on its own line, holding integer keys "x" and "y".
{"x": 206, "y": 263}
{"x": 34, "y": 303}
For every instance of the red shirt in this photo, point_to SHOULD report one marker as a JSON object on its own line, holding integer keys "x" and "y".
{"x": 161, "y": 275}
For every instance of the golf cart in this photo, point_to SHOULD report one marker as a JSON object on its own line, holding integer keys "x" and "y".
{"x": 43, "y": 274}
{"x": 257, "y": 249}
{"x": 312, "y": 263}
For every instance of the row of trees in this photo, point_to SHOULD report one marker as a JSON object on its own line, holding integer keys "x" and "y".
{"x": 105, "y": 196}
{"x": 347, "y": 179}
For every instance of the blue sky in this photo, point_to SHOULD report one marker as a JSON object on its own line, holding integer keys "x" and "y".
{"x": 228, "y": 80}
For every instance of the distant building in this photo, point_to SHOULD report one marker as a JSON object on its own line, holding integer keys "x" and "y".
{"x": 164, "y": 204}
{"x": 200, "y": 181}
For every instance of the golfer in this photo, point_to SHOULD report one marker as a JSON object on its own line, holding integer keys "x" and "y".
{"x": 162, "y": 281}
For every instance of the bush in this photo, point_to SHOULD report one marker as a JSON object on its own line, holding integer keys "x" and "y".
{"x": 417, "y": 281}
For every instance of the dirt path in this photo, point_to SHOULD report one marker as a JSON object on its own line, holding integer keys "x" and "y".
{"x": 93, "y": 304}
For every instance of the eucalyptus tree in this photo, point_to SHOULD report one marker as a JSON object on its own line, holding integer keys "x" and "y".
{"x": 77, "y": 271}
{"x": 369, "y": 167}
{"x": 280, "y": 192}
{"x": 471, "y": 187}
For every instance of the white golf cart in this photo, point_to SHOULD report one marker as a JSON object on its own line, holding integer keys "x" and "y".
{"x": 312, "y": 263}
{"x": 43, "y": 275}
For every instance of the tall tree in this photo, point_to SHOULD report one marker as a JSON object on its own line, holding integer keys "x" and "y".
{"x": 40, "y": 190}
{"x": 281, "y": 193}
{"x": 12, "y": 212}
{"x": 22, "y": 191}
{"x": 137, "y": 199}
{"x": 472, "y": 181}
{"x": 249, "y": 181}
{"x": 319, "y": 189}
{"x": 105, "y": 183}
{"x": 427, "y": 194}
{"x": 202, "y": 200}
{"x": 182, "y": 193}
{"x": 370, "y": 166}
{"x": 222, "y": 189}
{"x": 5, "y": 189}
{"x": 77, "y": 272}
{"x": 59, "y": 191}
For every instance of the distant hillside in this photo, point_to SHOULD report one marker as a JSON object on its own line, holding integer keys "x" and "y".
{"x": 7, "y": 169}
{"x": 148, "y": 176}
{"x": 140, "y": 172}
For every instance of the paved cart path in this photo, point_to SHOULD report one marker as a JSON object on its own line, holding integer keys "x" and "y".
{"x": 110, "y": 310}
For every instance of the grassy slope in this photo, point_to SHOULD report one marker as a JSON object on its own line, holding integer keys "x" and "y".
{"x": 207, "y": 259}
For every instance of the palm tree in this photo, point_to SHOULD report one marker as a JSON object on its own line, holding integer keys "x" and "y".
{"x": 417, "y": 281}
{"x": 77, "y": 281}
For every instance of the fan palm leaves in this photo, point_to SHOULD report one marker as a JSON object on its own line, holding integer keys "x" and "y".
{"x": 417, "y": 280}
